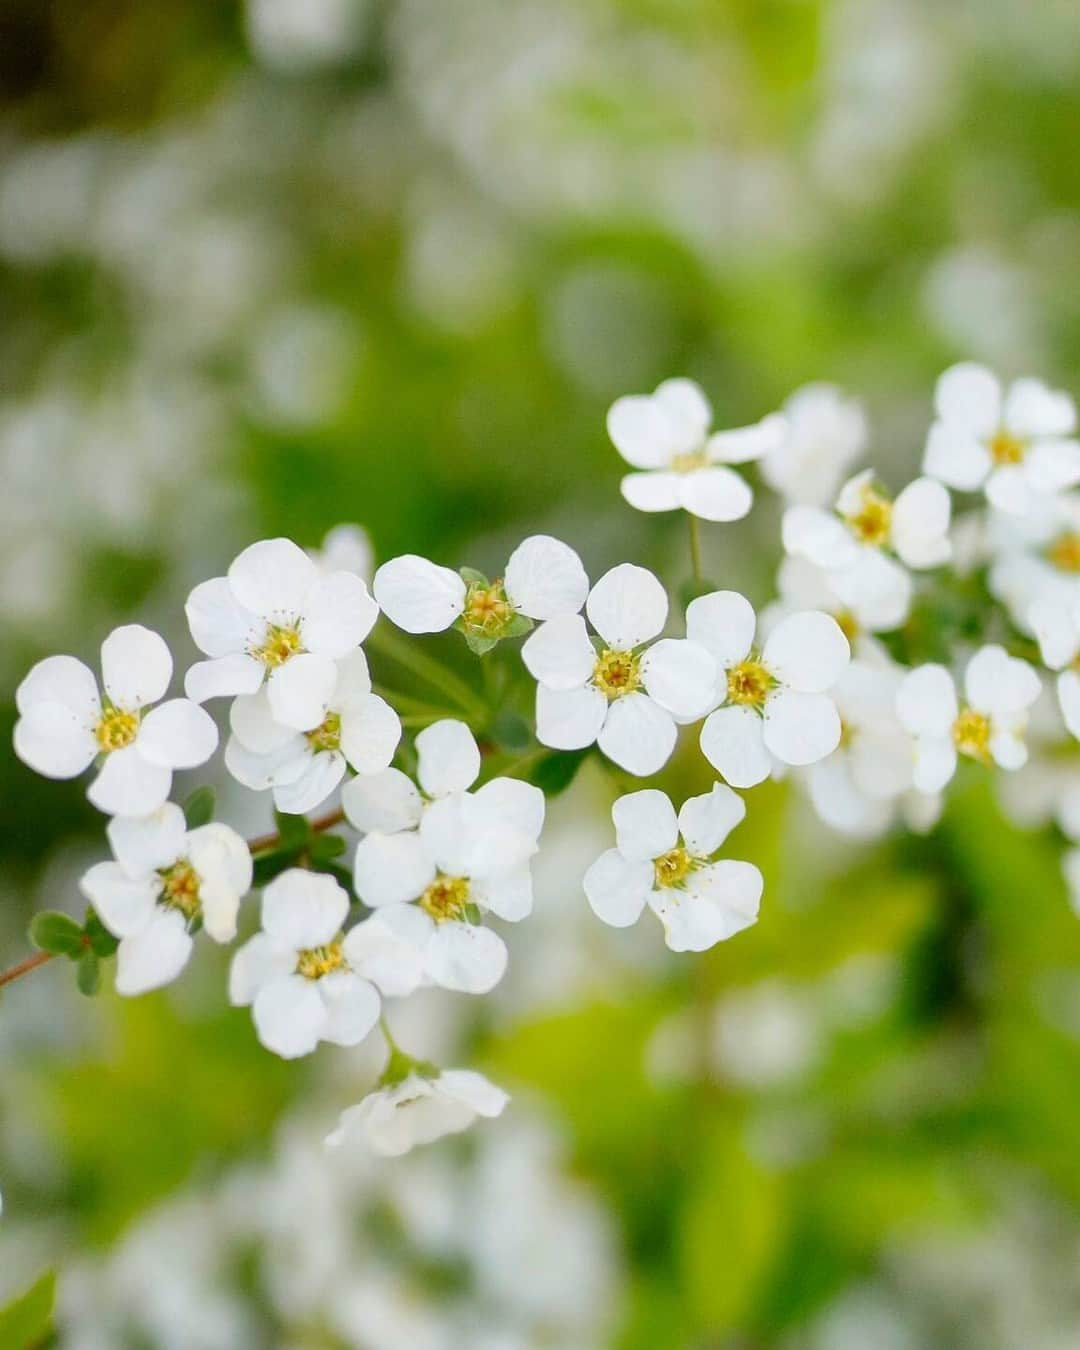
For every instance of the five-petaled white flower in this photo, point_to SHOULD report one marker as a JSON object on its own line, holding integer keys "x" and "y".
{"x": 624, "y": 699}
{"x": 826, "y": 432}
{"x": 360, "y": 730}
{"x": 418, "y": 1109}
{"x": 666, "y": 862}
{"x": 543, "y": 578}
{"x": 775, "y": 705}
{"x": 64, "y": 724}
{"x": 1015, "y": 444}
{"x": 1055, "y": 621}
{"x": 854, "y": 544}
{"x": 276, "y": 618}
{"x": 665, "y": 435}
{"x": 166, "y": 879}
{"x": 999, "y": 689}
{"x": 301, "y": 975}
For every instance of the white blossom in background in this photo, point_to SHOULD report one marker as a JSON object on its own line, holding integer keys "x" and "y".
{"x": 276, "y": 618}
{"x": 346, "y": 548}
{"x": 665, "y": 436}
{"x": 999, "y": 690}
{"x": 301, "y": 974}
{"x": 1055, "y": 622}
{"x": 775, "y": 704}
{"x": 544, "y": 578}
{"x": 360, "y": 731}
{"x": 165, "y": 880}
{"x": 625, "y": 699}
{"x": 868, "y": 544}
{"x": 802, "y": 585}
{"x": 667, "y": 862}
{"x": 65, "y": 725}
{"x": 418, "y": 1110}
{"x": 826, "y": 434}
{"x": 1035, "y": 558}
{"x": 1017, "y": 444}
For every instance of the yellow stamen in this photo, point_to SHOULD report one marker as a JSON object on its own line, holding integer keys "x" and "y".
{"x": 848, "y": 624}
{"x": 280, "y": 644}
{"x": 689, "y": 462}
{"x": 1006, "y": 449}
{"x": 180, "y": 890}
{"x": 971, "y": 735}
{"x": 327, "y": 736}
{"x": 1064, "y": 552}
{"x": 315, "y": 962}
{"x": 672, "y": 869}
{"x": 116, "y": 730}
{"x": 871, "y": 522}
{"x": 617, "y": 673}
{"x": 487, "y": 610}
{"x": 749, "y": 684}
{"x": 446, "y": 898}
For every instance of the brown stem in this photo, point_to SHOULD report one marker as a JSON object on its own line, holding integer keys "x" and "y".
{"x": 25, "y": 967}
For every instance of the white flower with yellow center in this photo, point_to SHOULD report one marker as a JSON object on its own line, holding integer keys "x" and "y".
{"x": 166, "y": 881}
{"x": 1035, "y": 558}
{"x": 826, "y": 432}
{"x": 543, "y": 578}
{"x": 989, "y": 727}
{"x": 303, "y": 977}
{"x": 858, "y": 545}
{"x": 775, "y": 701}
{"x": 624, "y": 698}
{"x": 1015, "y": 444}
{"x": 666, "y": 436}
{"x": 1055, "y": 621}
{"x": 418, "y": 1109}
{"x": 360, "y": 731}
{"x": 65, "y": 725}
{"x": 276, "y": 618}
{"x": 667, "y": 863}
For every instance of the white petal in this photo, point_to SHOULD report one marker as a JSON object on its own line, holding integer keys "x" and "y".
{"x": 733, "y": 743}
{"x": 1032, "y": 409}
{"x": 339, "y": 613}
{"x": 155, "y": 955}
{"x": 508, "y": 804}
{"x": 706, "y": 821}
{"x": 261, "y": 771}
{"x": 638, "y": 735}
{"x": 627, "y": 607}
{"x": 352, "y": 1007}
{"x": 322, "y": 774}
{"x": 63, "y": 680}
{"x": 478, "y": 1093}
{"x": 391, "y": 869}
{"x": 841, "y": 804}
{"x": 418, "y": 595}
{"x": 272, "y": 579}
{"x": 346, "y": 548}
{"x": 253, "y": 724}
{"x": 225, "y": 869}
{"x": 144, "y": 844}
{"x": 54, "y": 741}
{"x": 510, "y": 896}
{"x": 388, "y": 949}
{"x": 877, "y": 590}
{"x": 300, "y": 690}
{"x": 920, "y": 524}
{"x": 302, "y": 909}
{"x": 807, "y": 651}
{"x": 968, "y": 398}
{"x": 617, "y": 888}
{"x": 219, "y": 623}
{"x": 370, "y": 734}
{"x": 384, "y": 802}
{"x": 136, "y": 666}
{"x": 687, "y": 411}
{"x": 223, "y": 676}
{"x": 723, "y": 622}
{"x": 1008, "y": 750}
{"x": 466, "y": 957}
{"x": 1010, "y": 490}
{"x": 935, "y": 762}
{"x": 724, "y": 900}
{"x": 642, "y": 432}
{"x": 1053, "y": 466}
{"x": 353, "y": 680}
{"x": 645, "y": 824}
{"x": 819, "y": 536}
{"x": 177, "y": 735}
{"x": 926, "y": 702}
{"x": 741, "y": 445}
{"x": 559, "y": 654}
{"x": 129, "y": 785}
{"x": 1000, "y": 684}
{"x": 956, "y": 457}
{"x": 680, "y": 675}
{"x": 259, "y": 961}
{"x": 653, "y": 490}
{"x": 125, "y": 904}
{"x": 446, "y": 840}
{"x": 716, "y": 494}
{"x": 289, "y": 1016}
{"x": 801, "y": 728}
{"x": 448, "y": 758}
{"x": 569, "y": 719}
{"x": 544, "y": 577}
{"x": 1068, "y": 692}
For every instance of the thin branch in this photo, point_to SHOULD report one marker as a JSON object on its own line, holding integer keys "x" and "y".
{"x": 25, "y": 967}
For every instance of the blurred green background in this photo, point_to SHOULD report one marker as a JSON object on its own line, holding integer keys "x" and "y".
{"x": 267, "y": 268}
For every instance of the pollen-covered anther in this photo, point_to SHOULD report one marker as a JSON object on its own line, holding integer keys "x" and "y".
{"x": 315, "y": 962}
{"x": 871, "y": 522}
{"x": 180, "y": 889}
{"x": 117, "y": 729}
{"x": 446, "y": 898}
{"x": 971, "y": 735}
{"x": 281, "y": 643}
{"x": 749, "y": 684}
{"x": 617, "y": 673}
{"x": 1005, "y": 448}
{"x": 1064, "y": 552}
{"x": 672, "y": 868}
{"x": 327, "y": 736}
{"x": 487, "y": 610}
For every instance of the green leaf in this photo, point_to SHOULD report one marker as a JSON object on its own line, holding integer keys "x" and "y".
{"x": 51, "y": 931}
{"x": 510, "y": 731}
{"x": 28, "y": 1321}
{"x": 88, "y": 973}
{"x": 269, "y": 865}
{"x": 555, "y": 772}
{"x": 325, "y": 847}
{"x": 471, "y": 577}
{"x": 101, "y": 940}
{"x": 480, "y": 646}
{"x": 294, "y": 832}
{"x": 199, "y": 807}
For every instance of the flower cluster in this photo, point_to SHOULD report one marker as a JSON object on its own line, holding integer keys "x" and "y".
{"x": 905, "y": 639}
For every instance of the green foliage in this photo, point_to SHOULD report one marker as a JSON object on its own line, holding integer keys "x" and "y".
{"x": 60, "y": 934}
{"x": 26, "y": 1323}
{"x": 199, "y": 807}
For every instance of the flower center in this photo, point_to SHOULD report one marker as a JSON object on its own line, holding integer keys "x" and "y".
{"x": 690, "y": 461}
{"x": 848, "y": 624}
{"x": 749, "y": 684}
{"x": 315, "y": 962}
{"x": 617, "y": 673}
{"x": 116, "y": 729}
{"x": 487, "y": 610}
{"x": 971, "y": 735}
{"x": 870, "y": 524}
{"x": 672, "y": 869}
{"x": 327, "y": 736}
{"x": 1005, "y": 448}
{"x": 446, "y": 898}
{"x": 1064, "y": 552}
{"x": 281, "y": 643}
{"x": 180, "y": 889}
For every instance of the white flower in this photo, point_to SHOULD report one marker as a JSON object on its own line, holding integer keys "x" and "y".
{"x": 775, "y": 704}
{"x": 346, "y": 548}
{"x": 418, "y": 1110}
{"x": 826, "y": 432}
{"x": 165, "y": 880}
{"x": 1055, "y": 622}
{"x": 1015, "y": 444}
{"x": 64, "y": 724}
{"x": 544, "y": 578}
{"x": 275, "y": 618}
{"x": 854, "y": 544}
{"x": 625, "y": 700}
{"x": 448, "y": 762}
{"x": 1035, "y": 557}
{"x": 360, "y": 730}
{"x": 999, "y": 690}
{"x": 666, "y": 863}
{"x": 666, "y": 436}
{"x": 301, "y": 974}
